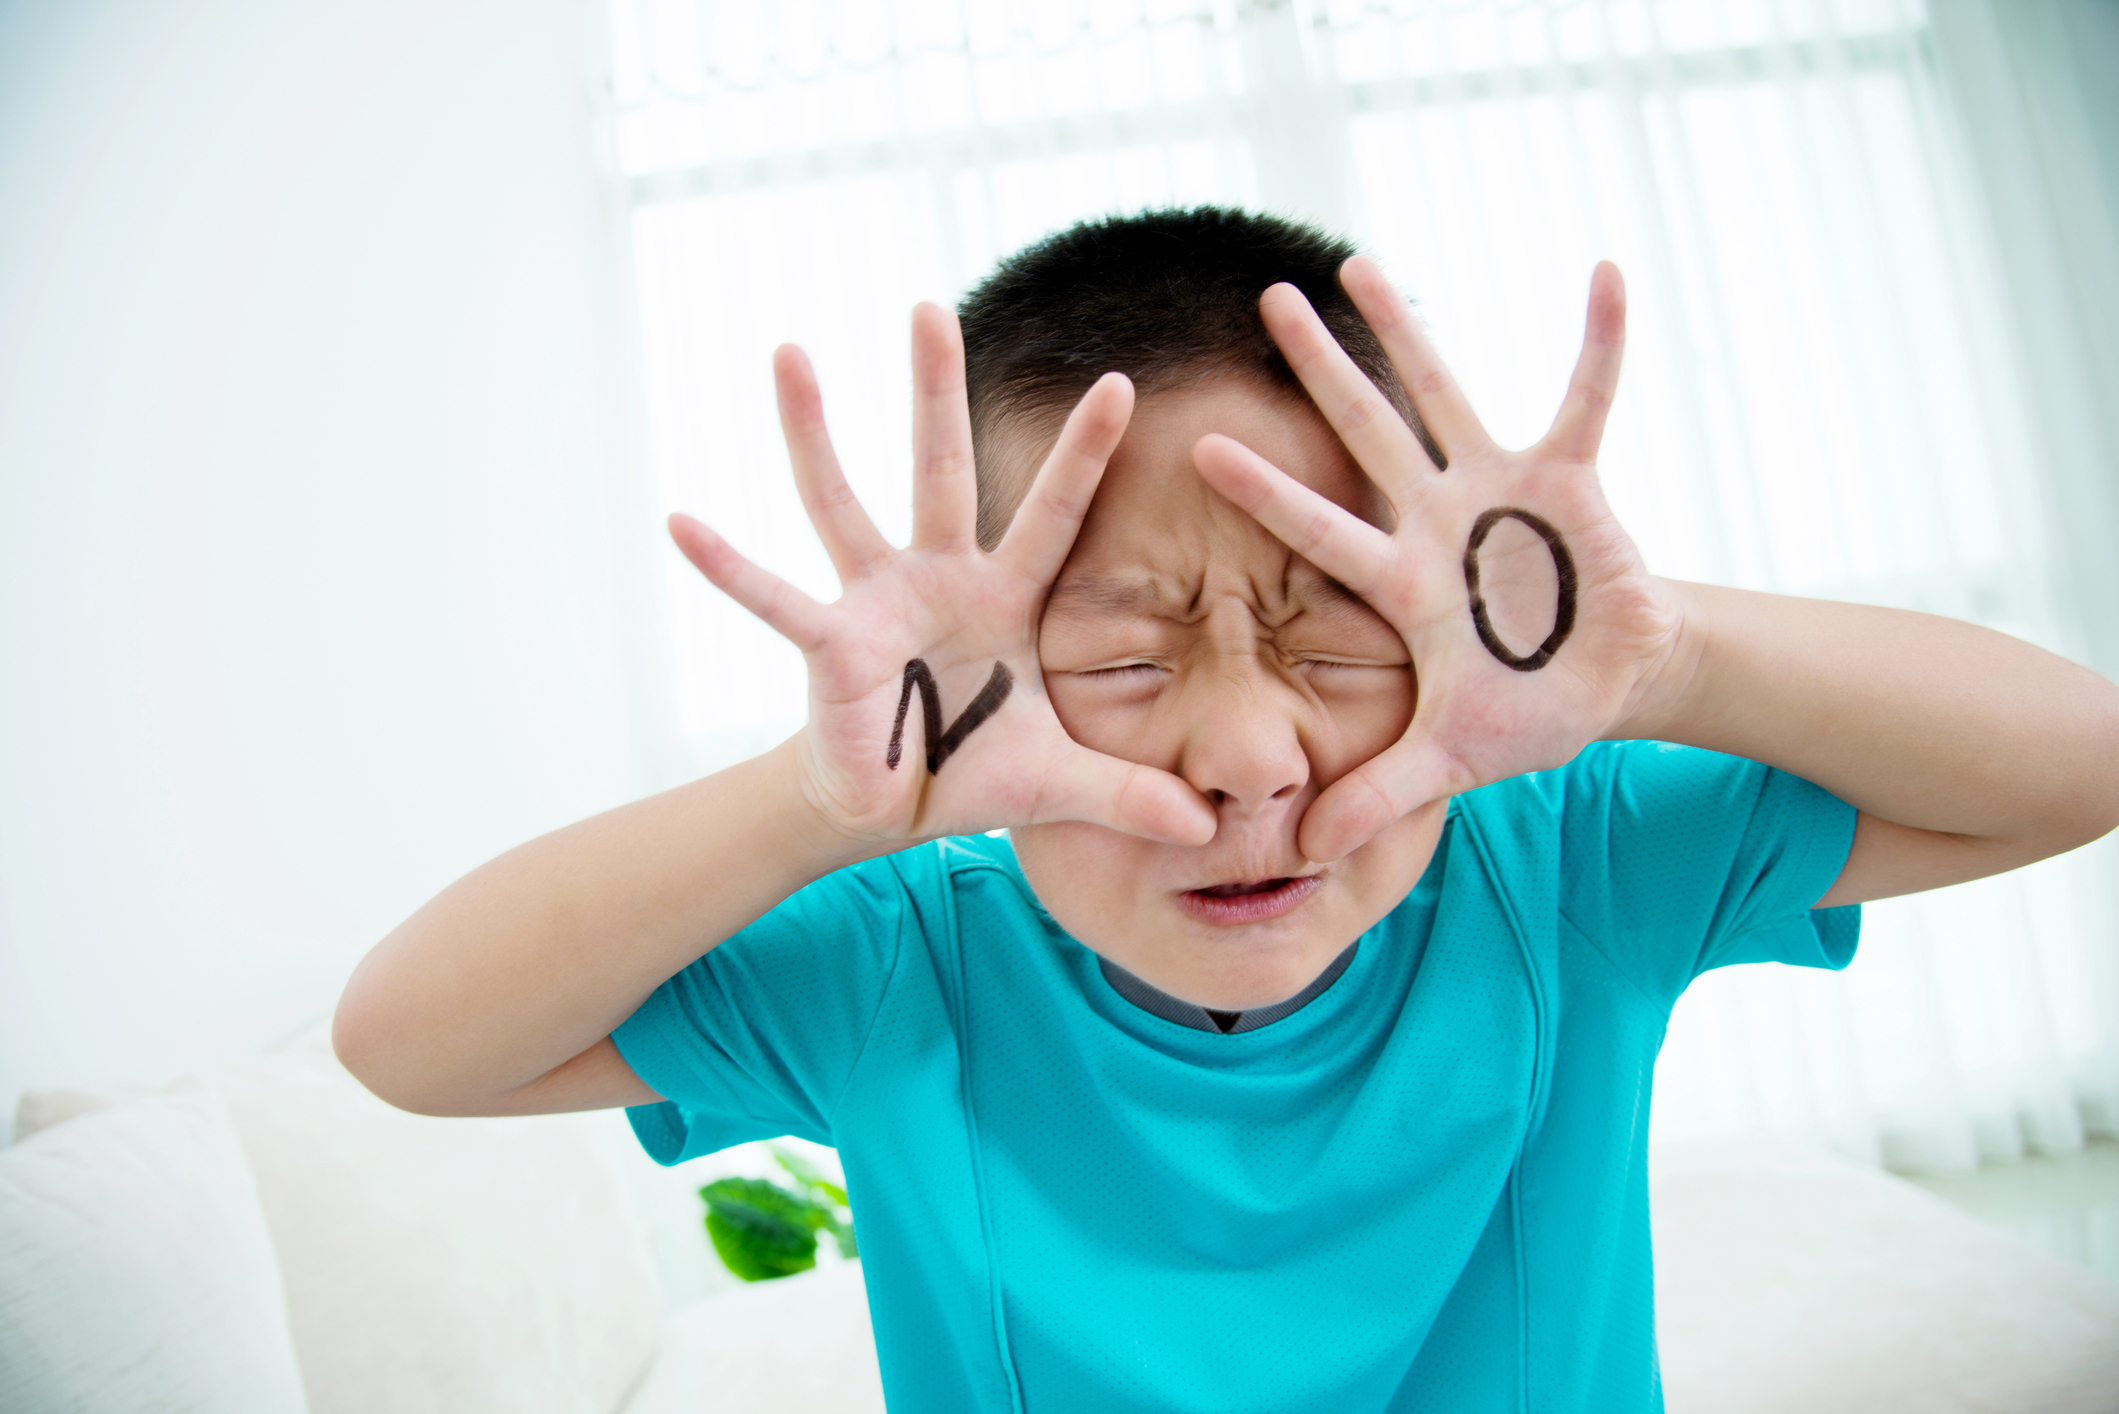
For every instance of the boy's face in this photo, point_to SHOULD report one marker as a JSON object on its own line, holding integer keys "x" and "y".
{"x": 1181, "y": 635}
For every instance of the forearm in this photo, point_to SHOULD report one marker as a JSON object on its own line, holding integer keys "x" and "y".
{"x": 531, "y": 959}
{"x": 1924, "y": 722}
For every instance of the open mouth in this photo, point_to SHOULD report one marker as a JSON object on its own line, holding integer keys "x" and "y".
{"x": 1244, "y": 889}
{"x": 1248, "y": 900}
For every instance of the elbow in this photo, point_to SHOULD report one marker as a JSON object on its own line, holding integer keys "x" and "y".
{"x": 2090, "y": 808}
{"x": 361, "y": 1039}
{"x": 397, "y": 1059}
{"x": 2102, "y": 814}
{"x": 353, "y": 1041}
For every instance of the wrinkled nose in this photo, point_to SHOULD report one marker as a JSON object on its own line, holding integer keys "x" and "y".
{"x": 1242, "y": 748}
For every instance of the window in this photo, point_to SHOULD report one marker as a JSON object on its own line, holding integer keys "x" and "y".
{"x": 1810, "y": 401}
{"x": 1798, "y": 408}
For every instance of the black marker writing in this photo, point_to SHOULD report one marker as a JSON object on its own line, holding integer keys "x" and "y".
{"x": 1563, "y": 614}
{"x": 942, "y": 745}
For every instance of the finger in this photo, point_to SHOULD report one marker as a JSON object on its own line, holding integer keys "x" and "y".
{"x": 1578, "y": 429}
{"x": 1355, "y": 407}
{"x": 1044, "y": 528}
{"x": 1126, "y": 796}
{"x": 790, "y": 613}
{"x": 1408, "y": 774}
{"x": 849, "y": 536}
{"x": 945, "y": 497}
{"x": 1329, "y": 536}
{"x": 1435, "y": 394}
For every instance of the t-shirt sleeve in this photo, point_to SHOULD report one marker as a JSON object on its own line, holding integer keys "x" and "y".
{"x": 758, "y": 1038}
{"x": 1675, "y": 860}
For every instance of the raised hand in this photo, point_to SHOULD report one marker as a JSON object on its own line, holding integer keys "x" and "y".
{"x": 1533, "y": 626}
{"x": 927, "y": 711}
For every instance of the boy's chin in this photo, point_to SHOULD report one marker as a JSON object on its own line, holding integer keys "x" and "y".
{"x": 1124, "y": 896}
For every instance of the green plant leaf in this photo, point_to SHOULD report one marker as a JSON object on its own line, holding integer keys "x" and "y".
{"x": 807, "y": 1174}
{"x": 761, "y": 1230}
{"x": 803, "y": 1171}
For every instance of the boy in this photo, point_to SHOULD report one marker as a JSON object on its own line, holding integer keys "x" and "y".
{"x": 1293, "y": 1051}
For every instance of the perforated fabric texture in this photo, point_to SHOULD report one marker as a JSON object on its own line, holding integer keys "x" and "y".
{"x": 1423, "y": 1190}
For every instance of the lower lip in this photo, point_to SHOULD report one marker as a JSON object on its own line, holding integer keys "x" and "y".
{"x": 1250, "y": 908}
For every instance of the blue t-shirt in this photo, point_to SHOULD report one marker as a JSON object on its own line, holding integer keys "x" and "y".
{"x": 1425, "y": 1190}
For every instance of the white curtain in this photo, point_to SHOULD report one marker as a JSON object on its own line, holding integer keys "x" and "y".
{"x": 1825, "y": 389}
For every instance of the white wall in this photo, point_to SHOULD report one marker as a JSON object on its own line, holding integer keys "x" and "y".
{"x": 311, "y": 372}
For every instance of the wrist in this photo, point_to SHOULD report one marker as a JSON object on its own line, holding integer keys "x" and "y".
{"x": 814, "y": 830}
{"x": 1665, "y": 697}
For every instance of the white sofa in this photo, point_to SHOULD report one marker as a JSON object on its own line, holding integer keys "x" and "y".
{"x": 269, "y": 1237}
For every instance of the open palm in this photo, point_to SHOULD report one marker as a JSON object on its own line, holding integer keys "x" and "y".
{"x": 1470, "y": 545}
{"x": 928, "y": 713}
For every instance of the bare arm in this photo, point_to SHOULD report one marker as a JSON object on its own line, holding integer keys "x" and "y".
{"x": 1967, "y": 752}
{"x": 500, "y": 996}
{"x": 494, "y": 997}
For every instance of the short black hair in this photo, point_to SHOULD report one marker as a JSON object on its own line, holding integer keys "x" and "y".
{"x": 1166, "y": 297}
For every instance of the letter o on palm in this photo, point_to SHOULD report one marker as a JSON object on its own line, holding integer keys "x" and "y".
{"x": 1563, "y": 563}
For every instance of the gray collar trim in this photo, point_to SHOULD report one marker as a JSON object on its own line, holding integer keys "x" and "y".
{"x": 1157, "y": 1002}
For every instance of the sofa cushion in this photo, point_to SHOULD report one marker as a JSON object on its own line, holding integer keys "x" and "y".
{"x": 1789, "y": 1279}
{"x": 135, "y": 1269}
{"x": 798, "y": 1345}
{"x": 435, "y": 1266}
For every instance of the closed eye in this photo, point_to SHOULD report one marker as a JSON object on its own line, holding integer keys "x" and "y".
{"x": 1312, "y": 664}
{"x": 1123, "y": 670}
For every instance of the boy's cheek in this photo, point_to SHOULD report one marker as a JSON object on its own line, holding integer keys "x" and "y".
{"x": 1363, "y": 712}
{"x": 1087, "y": 876}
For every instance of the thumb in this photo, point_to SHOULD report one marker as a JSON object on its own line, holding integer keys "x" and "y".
{"x": 1408, "y": 774}
{"x": 1125, "y": 796}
